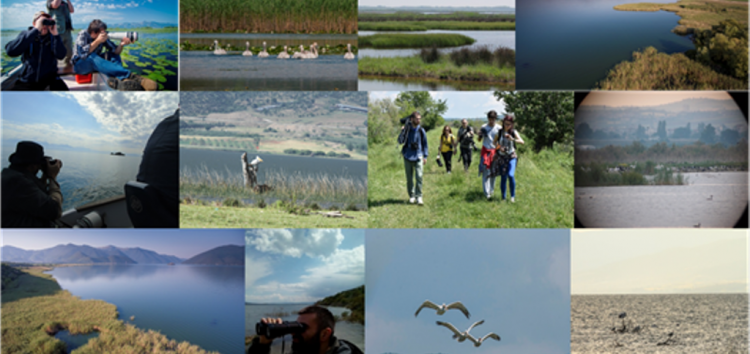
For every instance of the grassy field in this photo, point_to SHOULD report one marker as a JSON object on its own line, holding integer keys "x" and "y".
{"x": 544, "y": 193}
{"x": 696, "y": 14}
{"x": 272, "y": 16}
{"x": 444, "y": 69}
{"x": 34, "y": 307}
{"x": 651, "y": 70}
{"x": 202, "y": 216}
{"x": 401, "y": 40}
{"x": 436, "y": 25}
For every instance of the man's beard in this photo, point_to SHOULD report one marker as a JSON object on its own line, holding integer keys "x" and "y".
{"x": 311, "y": 346}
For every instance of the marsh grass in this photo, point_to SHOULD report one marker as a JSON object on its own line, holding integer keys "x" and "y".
{"x": 443, "y": 69}
{"x": 697, "y": 154}
{"x": 429, "y": 55}
{"x": 461, "y": 16}
{"x": 272, "y": 16}
{"x": 408, "y": 40}
{"x": 436, "y": 25}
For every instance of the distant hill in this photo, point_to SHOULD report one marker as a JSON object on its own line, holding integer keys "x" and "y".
{"x": 223, "y": 255}
{"x": 438, "y": 8}
{"x": 353, "y": 299}
{"x": 151, "y": 24}
{"x": 83, "y": 254}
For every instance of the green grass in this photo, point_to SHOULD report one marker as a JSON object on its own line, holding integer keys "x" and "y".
{"x": 436, "y": 25}
{"x": 34, "y": 305}
{"x": 401, "y": 40}
{"x": 272, "y": 16}
{"x": 651, "y": 70}
{"x": 696, "y": 14}
{"x": 200, "y": 216}
{"x": 544, "y": 193}
{"x": 444, "y": 69}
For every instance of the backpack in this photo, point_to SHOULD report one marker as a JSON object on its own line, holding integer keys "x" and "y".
{"x": 404, "y": 134}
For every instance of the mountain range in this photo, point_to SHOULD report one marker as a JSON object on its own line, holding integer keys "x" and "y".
{"x": 83, "y": 254}
{"x": 223, "y": 255}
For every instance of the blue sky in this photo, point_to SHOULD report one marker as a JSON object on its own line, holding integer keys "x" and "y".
{"x": 101, "y": 121}
{"x": 518, "y": 281}
{"x": 20, "y": 13}
{"x": 302, "y": 265}
{"x": 464, "y": 3}
{"x": 460, "y": 104}
{"x": 180, "y": 243}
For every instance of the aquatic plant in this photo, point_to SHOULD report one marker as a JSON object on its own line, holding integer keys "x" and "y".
{"x": 407, "y": 40}
{"x": 155, "y": 59}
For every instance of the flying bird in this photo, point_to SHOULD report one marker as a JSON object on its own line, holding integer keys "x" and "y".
{"x": 442, "y": 308}
{"x": 478, "y": 342}
{"x": 458, "y": 335}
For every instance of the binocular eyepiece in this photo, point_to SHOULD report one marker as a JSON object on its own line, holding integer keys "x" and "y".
{"x": 48, "y": 22}
{"x": 274, "y": 330}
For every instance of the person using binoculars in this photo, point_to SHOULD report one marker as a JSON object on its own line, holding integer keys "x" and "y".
{"x": 40, "y": 47}
{"x": 29, "y": 201}
{"x": 60, "y": 11}
{"x": 89, "y": 56}
{"x": 312, "y": 333}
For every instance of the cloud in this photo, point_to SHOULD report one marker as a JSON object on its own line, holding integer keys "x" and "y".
{"x": 57, "y": 134}
{"x": 297, "y": 242}
{"x": 256, "y": 269}
{"x": 342, "y": 270}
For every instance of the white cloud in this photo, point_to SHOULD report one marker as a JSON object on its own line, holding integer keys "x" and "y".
{"x": 298, "y": 242}
{"x": 379, "y": 95}
{"x": 256, "y": 269}
{"x": 57, "y": 134}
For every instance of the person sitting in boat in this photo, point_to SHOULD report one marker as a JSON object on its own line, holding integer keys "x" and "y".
{"x": 40, "y": 47}
{"x": 89, "y": 56}
{"x": 29, "y": 201}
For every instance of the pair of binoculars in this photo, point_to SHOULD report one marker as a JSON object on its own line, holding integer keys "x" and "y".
{"x": 274, "y": 330}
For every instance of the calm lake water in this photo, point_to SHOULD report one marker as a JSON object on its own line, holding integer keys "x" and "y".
{"x": 573, "y": 44}
{"x": 666, "y": 206}
{"x": 88, "y": 176}
{"x": 700, "y": 323}
{"x": 374, "y": 83}
{"x": 73, "y": 341}
{"x": 204, "y": 71}
{"x": 492, "y": 39}
{"x": 198, "y": 304}
{"x": 352, "y": 332}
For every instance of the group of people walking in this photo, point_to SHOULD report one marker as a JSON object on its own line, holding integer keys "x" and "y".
{"x": 498, "y": 156}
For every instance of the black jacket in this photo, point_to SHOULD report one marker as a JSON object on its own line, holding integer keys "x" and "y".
{"x": 26, "y": 202}
{"x": 39, "y": 54}
{"x": 340, "y": 347}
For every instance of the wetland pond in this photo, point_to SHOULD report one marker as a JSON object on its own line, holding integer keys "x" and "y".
{"x": 73, "y": 341}
{"x": 204, "y": 71}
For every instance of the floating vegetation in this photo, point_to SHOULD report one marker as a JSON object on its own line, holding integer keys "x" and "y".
{"x": 155, "y": 58}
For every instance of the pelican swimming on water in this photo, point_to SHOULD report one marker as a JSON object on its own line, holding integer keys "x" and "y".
{"x": 247, "y": 51}
{"x": 442, "y": 308}
{"x": 264, "y": 53}
{"x": 458, "y": 335}
{"x": 217, "y": 49}
{"x": 283, "y": 54}
{"x": 349, "y": 55}
{"x": 298, "y": 55}
{"x": 478, "y": 342}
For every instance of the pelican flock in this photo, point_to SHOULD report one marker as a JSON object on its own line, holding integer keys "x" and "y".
{"x": 247, "y": 51}
{"x": 442, "y": 308}
{"x": 312, "y": 53}
{"x": 458, "y": 335}
{"x": 264, "y": 53}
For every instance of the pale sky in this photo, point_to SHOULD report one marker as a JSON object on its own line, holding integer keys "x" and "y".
{"x": 460, "y": 104}
{"x": 434, "y": 3}
{"x": 643, "y": 99}
{"x": 650, "y": 261}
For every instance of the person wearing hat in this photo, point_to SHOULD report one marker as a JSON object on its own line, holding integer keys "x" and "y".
{"x": 29, "y": 201}
{"x": 60, "y": 11}
{"x": 40, "y": 47}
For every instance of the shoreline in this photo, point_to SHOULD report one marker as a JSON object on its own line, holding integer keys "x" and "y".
{"x": 691, "y": 17}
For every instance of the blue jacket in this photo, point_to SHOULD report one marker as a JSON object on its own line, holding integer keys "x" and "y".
{"x": 415, "y": 137}
{"x": 39, "y": 54}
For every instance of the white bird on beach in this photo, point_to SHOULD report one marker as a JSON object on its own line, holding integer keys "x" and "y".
{"x": 264, "y": 53}
{"x": 442, "y": 308}
{"x": 217, "y": 49}
{"x": 458, "y": 335}
{"x": 247, "y": 51}
{"x": 283, "y": 54}
{"x": 478, "y": 342}
{"x": 349, "y": 55}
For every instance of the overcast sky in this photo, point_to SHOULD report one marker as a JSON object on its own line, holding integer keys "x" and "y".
{"x": 644, "y": 99}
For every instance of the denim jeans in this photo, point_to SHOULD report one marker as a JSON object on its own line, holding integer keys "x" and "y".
{"x": 414, "y": 168}
{"x": 112, "y": 67}
{"x": 511, "y": 175}
{"x": 488, "y": 183}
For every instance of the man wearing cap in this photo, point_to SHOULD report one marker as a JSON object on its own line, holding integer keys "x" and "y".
{"x": 29, "y": 201}
{"x": 40, "y": 47}
{"x": 60, "y": 11}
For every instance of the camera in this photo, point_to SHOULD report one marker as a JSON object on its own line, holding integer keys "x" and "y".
{"x": 48, "y": 22}
{"x": 133, "y": 36}
{"x": 50, "y": 161}
{"x": 274, "y": 330}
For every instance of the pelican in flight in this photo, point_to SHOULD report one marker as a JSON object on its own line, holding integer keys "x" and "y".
{"x": 264, "y": 53}
{"x": 247, "y": 51}
{"x": 283, "y": 54}
{"x": 442, "y": 308}
{"x": 478, "y": 342}
{"x": 217, "y": 49}
{"x": 349, "y": 55}
{"x": 460, "y": 336}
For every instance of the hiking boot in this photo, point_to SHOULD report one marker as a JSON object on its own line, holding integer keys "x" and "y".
{"x": 113, "y": 82}
{"x": 146, "y": 83}
{"x": 512, "y": 199}
{"x": 129, "y": 85}
{"x": 420, "y": 201}
{"x": 412, "y": 200}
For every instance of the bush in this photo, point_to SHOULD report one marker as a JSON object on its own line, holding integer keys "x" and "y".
{"x": 429, "y": 55}
{"x": 231, "y": 202}
{"x": 724, "y": 48}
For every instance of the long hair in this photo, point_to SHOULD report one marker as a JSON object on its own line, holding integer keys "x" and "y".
{"x": 510, "y": 118}
{"x": 450, "y": 131}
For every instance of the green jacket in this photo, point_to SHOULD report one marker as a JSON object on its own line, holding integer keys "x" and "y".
{"x": 62, "y": 15}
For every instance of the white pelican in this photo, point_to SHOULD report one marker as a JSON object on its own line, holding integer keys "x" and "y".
{"x": 247, "y": 51}
{"x": 458, "y": 335}
{"x": 314, "y": 49}
{"x": 349, "y": 55}
{"x": 298, "y": 55}
{"x": 217, "y": 49}
{"x": 264, "y": 53}
{"x": 283, "y": 54}
{"x": 442, "y": 308}
{"x": 478, "y": 342}
{"x": 306, "y": 54}
{"x": 256, "y": 160}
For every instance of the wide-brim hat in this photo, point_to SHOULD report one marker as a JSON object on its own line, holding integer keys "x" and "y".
{"x": 27, "y": 153}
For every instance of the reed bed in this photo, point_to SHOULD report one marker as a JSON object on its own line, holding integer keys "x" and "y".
{"x": 271, "y": 16}
{"x": 436, "y": 25}
{"x": 598, "y": 175}
{"x": 401, "y": 40}
{"x": 663, "y": 153}
{"x": 443, "y": 69}
{"x": 202, "y": 182}
{"x": 500, "y": 57}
